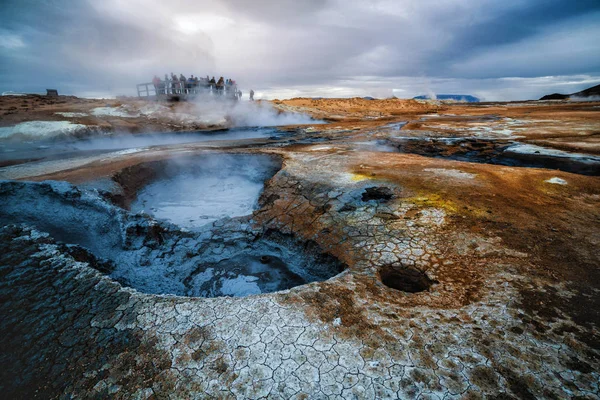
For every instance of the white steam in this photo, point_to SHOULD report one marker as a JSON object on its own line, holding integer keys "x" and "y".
{"x": 581, "y": 98}
{"x": 41, "y": 130}
{"x": 199, "y": 191}
{"x": 127, "y": 141}
{"x": 211, "y": 111}
{"x": 248, "y": 113}
{"x": 431, "y": 94}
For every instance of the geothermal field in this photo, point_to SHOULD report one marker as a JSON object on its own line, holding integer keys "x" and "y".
{"x": 306, "y": 248}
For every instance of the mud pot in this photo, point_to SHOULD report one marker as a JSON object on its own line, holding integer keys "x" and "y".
{"x": 227, "y": 258}
{"x": 191, "y": 192}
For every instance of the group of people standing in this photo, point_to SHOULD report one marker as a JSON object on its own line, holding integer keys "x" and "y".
{"x": 195, "y": 85}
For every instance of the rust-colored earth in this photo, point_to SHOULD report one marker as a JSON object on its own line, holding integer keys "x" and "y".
{"x": 490, "y": 212}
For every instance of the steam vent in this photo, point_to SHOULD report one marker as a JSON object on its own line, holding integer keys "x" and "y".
{"x": 355, "y": 249}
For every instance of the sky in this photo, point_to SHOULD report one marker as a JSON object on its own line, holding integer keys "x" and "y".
{"x": 495, "y": 50}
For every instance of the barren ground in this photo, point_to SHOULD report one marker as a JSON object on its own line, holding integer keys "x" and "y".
{"x": 467, "y": 272}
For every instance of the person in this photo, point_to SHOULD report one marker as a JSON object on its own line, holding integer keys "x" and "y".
{"x": 174, "y": 83}
{"x": 239, "y": 94}
{"x": 220, "y": 85}
{"x": 213, "y": 84}
{"x": 182, "y": 81}
{"x": 167, "y": 86}
{"x": 251, "y": 95}
{"x": 156, "y": 82}
{"x": 190, "y": 84}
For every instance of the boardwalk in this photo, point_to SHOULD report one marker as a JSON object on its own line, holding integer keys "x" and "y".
{"x": 180, "y": 91}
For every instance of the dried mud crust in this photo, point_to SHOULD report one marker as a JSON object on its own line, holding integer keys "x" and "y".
{"x": 464, "y": 263}
{"x": 483, "y": 329}
{"x": 350, "y": 337}
{"x": 58, "y": 325}
{"x": 512, "y": 312}
{"x": 568, "y": 126}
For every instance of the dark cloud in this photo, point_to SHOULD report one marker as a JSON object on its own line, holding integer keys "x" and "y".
{"x": 312, "y": 47}
{"x": 515, "y": 24}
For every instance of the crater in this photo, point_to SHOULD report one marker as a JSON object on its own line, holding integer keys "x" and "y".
{"x": 231, "y": 257}
{"x": 405, "y": 279}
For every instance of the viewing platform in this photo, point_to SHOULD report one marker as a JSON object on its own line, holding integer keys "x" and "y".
{"x": 181, "y": 92}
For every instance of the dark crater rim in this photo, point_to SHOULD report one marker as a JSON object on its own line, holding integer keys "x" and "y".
{"x": 405, "y": 279}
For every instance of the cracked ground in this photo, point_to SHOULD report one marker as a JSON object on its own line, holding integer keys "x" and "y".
{"x": 461, "y": 280}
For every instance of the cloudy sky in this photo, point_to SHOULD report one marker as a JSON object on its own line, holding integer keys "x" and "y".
{"x": 496, "y": 50}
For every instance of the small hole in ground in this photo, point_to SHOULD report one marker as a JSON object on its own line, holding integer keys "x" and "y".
{"x": 405, "y": 279}
{"x": 379, "y": 193}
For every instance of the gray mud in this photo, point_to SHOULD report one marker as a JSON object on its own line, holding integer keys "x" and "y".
{"x": 158, "y": 257}
{"x": 195, "y": 191}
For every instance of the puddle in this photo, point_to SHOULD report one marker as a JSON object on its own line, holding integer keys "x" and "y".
{"x": 50, "y": 149}
{"x": 197, "y": 191}
{"x": 380, "y": 146}
{"x": 501, "y": 152}
{"x": 231, "y": 258}
{"x": 243, "y": 275}
{"x": 270, "y": 263}
{"x": 396, "y": 126}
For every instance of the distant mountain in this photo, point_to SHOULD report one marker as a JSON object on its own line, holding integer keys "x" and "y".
{"x": 456, "y": 97}
{"x": 556, "y": 96}
{"x": 593, "y": 91}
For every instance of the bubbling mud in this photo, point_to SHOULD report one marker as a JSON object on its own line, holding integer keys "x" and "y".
{"x": 252, "y": 265}
{"x": 197, "y": 191}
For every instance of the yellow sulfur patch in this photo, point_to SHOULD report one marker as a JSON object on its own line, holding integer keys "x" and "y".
{"x": 433, "y": 200}
{"x": 360, "y": 177}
